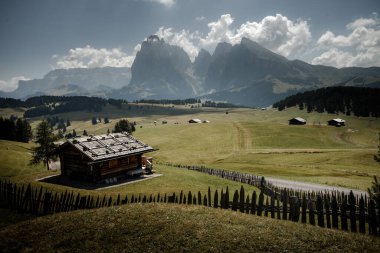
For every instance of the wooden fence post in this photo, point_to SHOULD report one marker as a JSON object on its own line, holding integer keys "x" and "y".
{"x": 216, "y": 199}
{"x": 334, "y": 212}
{"x": 284, "y": 205}
{"x": 327, "y": 208}
{"x": 343, "y": 215}
{"x": 311, "y": 212}
{"x": 227, "y": 199}
{"x": 253, "y": 203}
{"x": 361, "y": 215}
{"x": 242, "y": 197}
{"x": 321, "y": 218}
{"x": 272, "y": 212}
{"x": 261, "y": 203}
{"x": 352, "y": 203}
{"x": 235, "y": 201}
{"x": 189, "y": 198}
{"x": 209, "y": 196}
{"x": 247, "y": 206}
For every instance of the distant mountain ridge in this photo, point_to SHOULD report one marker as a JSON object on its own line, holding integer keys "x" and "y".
{"x": 245, "y": 74}
{"x": 76, "y": 81}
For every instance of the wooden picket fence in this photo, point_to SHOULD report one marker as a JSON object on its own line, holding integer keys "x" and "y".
{"x": 344, "y": 212}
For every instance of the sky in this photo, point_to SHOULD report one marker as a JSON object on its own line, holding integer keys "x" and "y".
{"x": 37, "y": 36}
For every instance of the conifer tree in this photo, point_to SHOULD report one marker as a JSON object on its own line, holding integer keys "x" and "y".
{"x": 45, "y": 138}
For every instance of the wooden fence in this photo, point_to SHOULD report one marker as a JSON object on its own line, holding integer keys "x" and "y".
{"x": 344, "y": 212}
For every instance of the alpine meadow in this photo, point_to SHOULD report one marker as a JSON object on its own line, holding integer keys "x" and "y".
{"x": 189, "y": 126}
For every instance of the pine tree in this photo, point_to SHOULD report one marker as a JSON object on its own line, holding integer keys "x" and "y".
{"x": 374, "y": 191}
{"x": 23, "y": 131}
{"x": 85, "y": 133}
{"x": 45, "y": 138}
{"x": 124, "y": 126}
{"x": 68, "y": 123}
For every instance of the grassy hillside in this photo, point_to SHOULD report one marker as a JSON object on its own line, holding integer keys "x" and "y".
{"x": 14, "y": 158}
{"x": 172, "y": 228}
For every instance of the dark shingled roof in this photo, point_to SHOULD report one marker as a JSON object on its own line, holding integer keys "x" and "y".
{"x": 106, "y": 147}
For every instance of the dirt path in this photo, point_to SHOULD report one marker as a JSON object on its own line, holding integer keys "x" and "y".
{"x": 244, "y": 137}
{"x": 304, "y": 186}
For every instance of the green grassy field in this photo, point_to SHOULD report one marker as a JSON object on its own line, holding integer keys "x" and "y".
{"x": 247, "y": 140}
{"x": 255, "y": 141}
{"x": 174, "y": 228}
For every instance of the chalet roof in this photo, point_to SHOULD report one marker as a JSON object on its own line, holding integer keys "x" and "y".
{"x": 106, "y": 147}
{"x": 338, "y": 120}
{"x": 195, "y": 121}
{"x": 299, "y": 119}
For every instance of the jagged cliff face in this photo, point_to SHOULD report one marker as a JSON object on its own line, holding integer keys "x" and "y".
{"x": 161, "y": 70}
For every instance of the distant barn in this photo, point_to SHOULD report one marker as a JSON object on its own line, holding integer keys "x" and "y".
{"x": 98, "y": 158}
{"x": 297, "y": 121}
{"x": 336, "y": 122}
{"x": 195, "y": 121}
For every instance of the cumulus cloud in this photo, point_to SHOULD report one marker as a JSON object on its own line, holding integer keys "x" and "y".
{"x": 183, "y": 39}
{"x": 11, "y": 84}
{"x": 277, "y": 33}
{"x": 361, "y": 47}
{"x": 89, "y": 57}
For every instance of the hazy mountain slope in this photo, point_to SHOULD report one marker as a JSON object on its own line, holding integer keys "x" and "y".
{"x": 92, "y": 82}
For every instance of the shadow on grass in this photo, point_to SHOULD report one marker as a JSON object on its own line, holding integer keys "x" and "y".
{"x": 66, "y": 181}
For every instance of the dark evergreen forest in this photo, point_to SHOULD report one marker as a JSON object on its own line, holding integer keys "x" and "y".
{"x": 49, "y": 105}
{"x": 364, "y": 102}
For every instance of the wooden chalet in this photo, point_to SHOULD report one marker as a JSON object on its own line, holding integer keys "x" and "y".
{"x": 297, "y": 121}
{"x": 336, "y": 122}
{"x": 98, "y": 158}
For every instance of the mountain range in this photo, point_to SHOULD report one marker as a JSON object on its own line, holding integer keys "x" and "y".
{"x": 246, "y": 74}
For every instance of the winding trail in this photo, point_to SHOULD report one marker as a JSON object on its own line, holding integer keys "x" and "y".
{"x": 304, "y": 186}
{"x": 244, "y": 137}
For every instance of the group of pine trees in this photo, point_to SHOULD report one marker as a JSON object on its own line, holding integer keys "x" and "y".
{"x": 15, "y": 129}
{"x": 348, "y": 100}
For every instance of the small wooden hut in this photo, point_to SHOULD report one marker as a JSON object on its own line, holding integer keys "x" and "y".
{"x": 297, "y": 121}
{"x": 97, "y": 158}
{"x": 336, "y": 122}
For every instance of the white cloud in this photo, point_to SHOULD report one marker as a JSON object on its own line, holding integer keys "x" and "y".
{"x": 166, "y": 3}
{"x": 361, "y": 47}
{"x": 89, "y": 57}
{"x": 183, "y": 39}
{"x": 366, "y": 22}
{"x": 11, "y": 84}
{"x": 277, "y": 33}
{"x": 219, "y": 32}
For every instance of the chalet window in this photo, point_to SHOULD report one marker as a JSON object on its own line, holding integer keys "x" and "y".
{"x": 113, "y": 164}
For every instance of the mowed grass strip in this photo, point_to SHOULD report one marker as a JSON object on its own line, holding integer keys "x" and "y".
{"x": 174, "y": 228}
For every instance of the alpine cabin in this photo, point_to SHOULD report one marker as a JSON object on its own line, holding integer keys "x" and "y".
{"x": 336, "y": 122}
{"x": 98, "y": 158}
{"x": 297, "y": 121}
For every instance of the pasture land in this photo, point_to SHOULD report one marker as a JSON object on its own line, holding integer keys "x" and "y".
{"x": 249, "y": 140}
